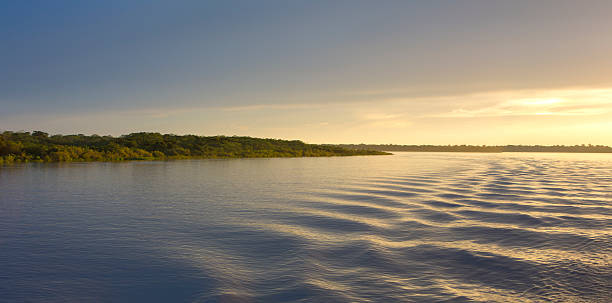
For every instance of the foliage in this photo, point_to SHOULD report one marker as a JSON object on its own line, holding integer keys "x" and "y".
{"x": 40, "y": 147}
{"x": 484, "y": 148}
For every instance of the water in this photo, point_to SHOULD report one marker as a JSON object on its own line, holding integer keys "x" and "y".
{"x": 412, "y": 227}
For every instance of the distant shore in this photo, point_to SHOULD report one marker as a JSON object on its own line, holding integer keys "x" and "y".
{"x": 39, "y": 146}
{"x": 482, "y": 148}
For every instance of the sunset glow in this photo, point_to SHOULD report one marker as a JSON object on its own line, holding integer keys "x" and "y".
{"x": 403, "y": 73}
{"x": 306, "y": 151}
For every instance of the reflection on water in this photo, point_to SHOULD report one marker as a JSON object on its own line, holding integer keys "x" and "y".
{"x": 412, "y": 227}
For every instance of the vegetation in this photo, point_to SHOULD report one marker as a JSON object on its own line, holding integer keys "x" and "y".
{"x": 40, "y": 147}
{"x": 483, "y": 148}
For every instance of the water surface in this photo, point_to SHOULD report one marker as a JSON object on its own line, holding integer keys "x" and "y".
{"x": 412, "y": 227}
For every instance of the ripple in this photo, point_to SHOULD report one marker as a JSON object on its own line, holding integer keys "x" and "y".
{"x": 357, "y": 197}
{"x": 442, "y": 204}
{"x": 497, "y": 217}
{"x": 413, "y": 227}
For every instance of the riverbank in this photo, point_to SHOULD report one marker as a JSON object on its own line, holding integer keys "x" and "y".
{"x": 41, "y": 147}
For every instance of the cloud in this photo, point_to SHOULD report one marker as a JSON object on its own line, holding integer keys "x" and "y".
{"x": 379, "y": 116}
{"x": 585, "y": 102}
{"x": 255, "y": 107}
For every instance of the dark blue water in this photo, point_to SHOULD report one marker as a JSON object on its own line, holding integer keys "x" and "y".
{"x": 413, "y": 227}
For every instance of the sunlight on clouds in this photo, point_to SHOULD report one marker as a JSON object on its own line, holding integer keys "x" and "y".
{"x": 556, "y": 102}
{"x": 390, "y": 124}
{"x": 539, "y": 102}
{"x": 570, "y": 116}
{"x": 379, "y": 116}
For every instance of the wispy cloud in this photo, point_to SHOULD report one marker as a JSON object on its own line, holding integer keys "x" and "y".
{"x": 549, "y": 103}
{"x": 255, "y": 107}
{"x": 380, "y": 116}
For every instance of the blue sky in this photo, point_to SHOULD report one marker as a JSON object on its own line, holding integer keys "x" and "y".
{"x": 436, "y": 72}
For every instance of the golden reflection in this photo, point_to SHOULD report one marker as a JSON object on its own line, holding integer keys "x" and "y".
{"x": 408, "y": 215}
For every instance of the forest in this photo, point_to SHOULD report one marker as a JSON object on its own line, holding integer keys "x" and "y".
{"x": 39, "y": 146}
{"x": 484, "y": 148}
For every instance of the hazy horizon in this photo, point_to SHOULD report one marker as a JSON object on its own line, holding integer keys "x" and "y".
{"x": 395, "y": 72}
{"x": 324, "y": 143}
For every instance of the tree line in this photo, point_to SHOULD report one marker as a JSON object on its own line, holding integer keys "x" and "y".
{"x": 484, "y": 148}
{"x": 39, "y": 146}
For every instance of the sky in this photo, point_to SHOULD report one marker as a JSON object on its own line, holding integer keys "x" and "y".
{"x": 400, "y": 72}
